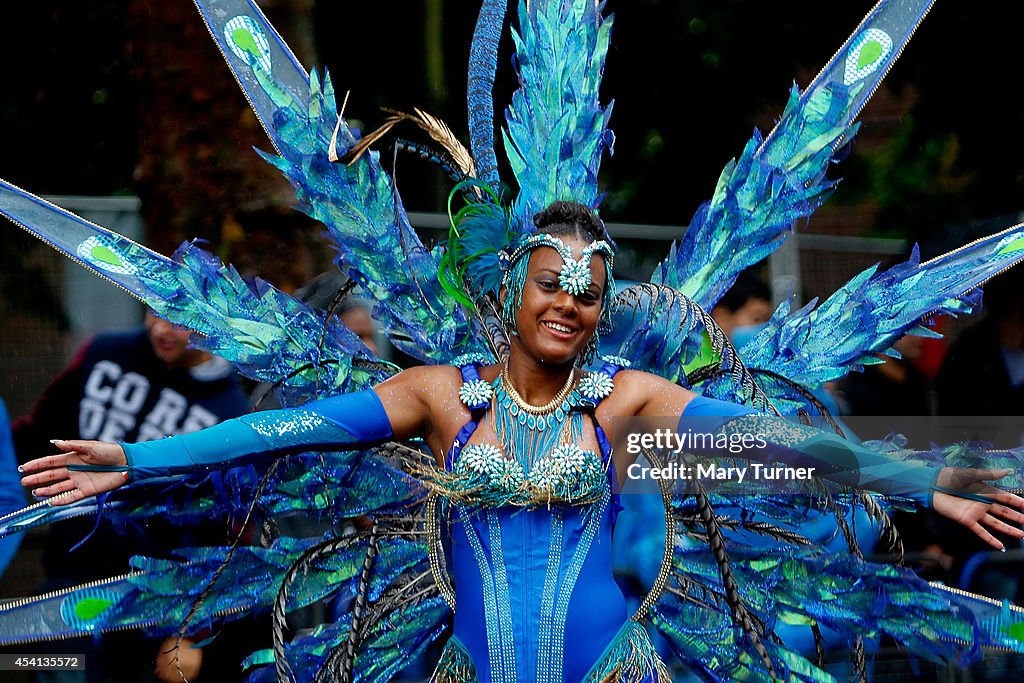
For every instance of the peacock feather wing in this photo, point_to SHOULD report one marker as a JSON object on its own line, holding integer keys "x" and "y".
{"x": 358, "y": 203}
{"x": 267, "y": 334}
{"x": 781, "y": 178}
{"x": 820, "y": 343}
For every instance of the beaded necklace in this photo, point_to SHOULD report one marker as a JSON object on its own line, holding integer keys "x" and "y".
{"x": 528, "y": 432}
{"x": 529, "y": 408}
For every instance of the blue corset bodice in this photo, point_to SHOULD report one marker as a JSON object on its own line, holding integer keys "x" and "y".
{"x": 534, "y": 588}
{"x": 531, "y": 553}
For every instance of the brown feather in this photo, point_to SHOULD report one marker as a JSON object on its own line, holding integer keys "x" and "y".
{"x": 442, "y": 134}
{"x": 433, "y": 126}
{"x": 361, "y": 147}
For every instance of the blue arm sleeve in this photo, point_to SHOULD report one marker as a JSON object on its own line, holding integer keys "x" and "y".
{"x": 831, "y": 456}
{"x": 343, "y": 422}
{"x": 12, "y": 495}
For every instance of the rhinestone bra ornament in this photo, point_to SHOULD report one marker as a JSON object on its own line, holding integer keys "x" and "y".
{"x": 596, "y": 385}
{"x": 476, "y": 393}
{"x": 567, "y": 474}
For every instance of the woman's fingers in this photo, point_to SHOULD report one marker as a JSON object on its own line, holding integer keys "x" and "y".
{"x": 1011, "y": 500}
{"x": 991, "y": 475}
{"x": 1007, "y": 513}
{"x": 1002, "y": 527}
{"x": 984, "y": 535}
{"x": 44, "y": 463}
{"x": 49, "y": 476}
{"x": 54, "y": 489}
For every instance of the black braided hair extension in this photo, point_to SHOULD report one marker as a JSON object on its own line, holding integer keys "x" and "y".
{"x": 741, "y": 615}
{"x": 819, "y": 645}
{"x": 347, "y": 653}
{"x": 889, "y": 534}
{"x": 280, "y": 625}
{"x": 858, "y": 660}
{"x": 807, "y": 396}
{"x": 430, "y": 155}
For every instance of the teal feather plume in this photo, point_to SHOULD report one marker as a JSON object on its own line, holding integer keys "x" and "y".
{"x": 556, "y": 127}
{"x": 370, "y": 230}
{"x": 817, "y": 344}
{"x": 781, "y": 178}
{"x": 758, "y": 197}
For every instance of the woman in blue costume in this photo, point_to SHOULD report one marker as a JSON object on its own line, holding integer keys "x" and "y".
{"x": 524, "y": 469}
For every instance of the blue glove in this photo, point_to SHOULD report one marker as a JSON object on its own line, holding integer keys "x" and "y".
{"x": 831, "y": 456}
{"x": 346, "y": 422}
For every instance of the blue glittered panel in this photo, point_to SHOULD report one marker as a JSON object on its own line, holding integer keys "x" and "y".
{"x": 261, "y": 62}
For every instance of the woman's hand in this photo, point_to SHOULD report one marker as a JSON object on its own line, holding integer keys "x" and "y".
{"x": 979, "y": 505}
{"x": 51, "y": 477}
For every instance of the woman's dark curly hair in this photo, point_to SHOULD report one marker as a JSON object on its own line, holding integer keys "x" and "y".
{"x": 562, "y": 219}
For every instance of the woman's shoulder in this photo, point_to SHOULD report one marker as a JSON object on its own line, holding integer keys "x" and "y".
{"x": 637, "y": 379}
{"x": 641, "y": 393}
{"x": 430, "y": 374}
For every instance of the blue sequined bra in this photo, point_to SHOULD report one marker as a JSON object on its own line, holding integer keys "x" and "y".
{"x": 547, "y": 464}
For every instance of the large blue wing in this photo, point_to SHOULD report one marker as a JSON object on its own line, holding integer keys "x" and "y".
{"x": 781, "y": 178}
{"x": 267, "y": 334}
{"x": 358, "y": 203}
{"x": 817, "y": 344}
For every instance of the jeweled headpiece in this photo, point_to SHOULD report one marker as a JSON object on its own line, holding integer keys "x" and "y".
{"x": 574, "y": 277}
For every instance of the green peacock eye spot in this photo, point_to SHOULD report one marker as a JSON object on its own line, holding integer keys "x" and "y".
{"x": 1015, "y": 245}
{"x": 245, "y": 41}
{"x": 88, "y": 609}
{"x": 869, "y": 53}
{"x": 1015, "y": 631}
{"x": 105, "y": 255}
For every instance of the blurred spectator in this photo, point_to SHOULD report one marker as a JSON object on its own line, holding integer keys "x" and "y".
{"x": 983, "y": 373}
{"x": 355, "y": 311}
{"x": 892, "y": 387}
{"x": 747, "y": 303}
{"x": 133, "y": 386}
{"x": 12, "y": 496}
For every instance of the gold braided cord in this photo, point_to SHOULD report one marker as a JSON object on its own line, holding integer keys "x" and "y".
{"x": 434, "y": 551}
{"x": 666, "y": 560}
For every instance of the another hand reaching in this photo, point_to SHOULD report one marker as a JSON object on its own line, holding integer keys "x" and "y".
{"x": 58, "y": 479}
{"x": 964, "y": 495}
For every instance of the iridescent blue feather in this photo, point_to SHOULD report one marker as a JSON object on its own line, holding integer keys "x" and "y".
{"x": 781, "y": 178}
{"x": 556, "y": 127}
{"x": 817, "y": 344}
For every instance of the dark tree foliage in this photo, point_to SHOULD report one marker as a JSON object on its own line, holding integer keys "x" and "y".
{"x": 690, "y": 79}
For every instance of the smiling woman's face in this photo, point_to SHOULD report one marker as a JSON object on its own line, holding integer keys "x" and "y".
{"x": 555, "y": 326}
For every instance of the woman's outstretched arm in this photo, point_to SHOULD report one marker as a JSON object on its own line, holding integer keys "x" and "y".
{"x": 962, "y": 494}
{"x": 349, "y": 421}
